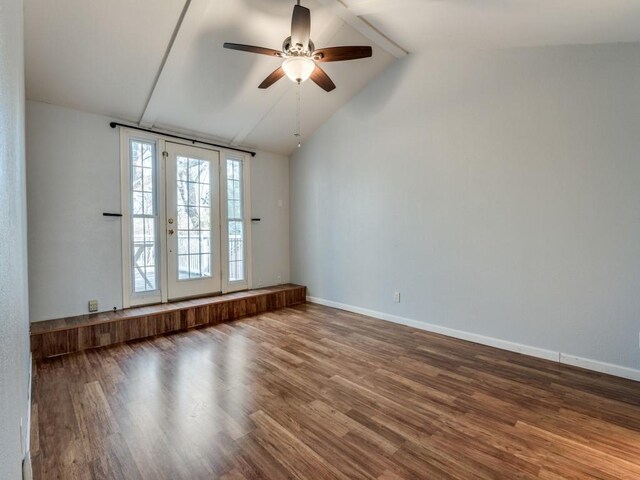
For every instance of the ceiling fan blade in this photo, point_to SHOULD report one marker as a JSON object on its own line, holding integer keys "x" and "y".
{"x": 300, "y": 26}
{"x": 338, "y": 54}
{"x": 251, "y": 49}
{"x": 321, "y": 79}
{"x": 273, "y": 77}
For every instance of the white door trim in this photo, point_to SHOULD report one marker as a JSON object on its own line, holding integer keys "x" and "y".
{"x": 130, "y": 300}
{"x": 177, "y": 288}
{"x": 247, "y": 283}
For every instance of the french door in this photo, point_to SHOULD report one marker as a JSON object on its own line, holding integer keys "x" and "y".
{"x": 186, "y": 220}
{"x": 193, "y": 221}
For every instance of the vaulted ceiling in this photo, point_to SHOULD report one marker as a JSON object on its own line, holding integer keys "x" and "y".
{"x": 419, "y": 25}
{"x": 162, "y": 63}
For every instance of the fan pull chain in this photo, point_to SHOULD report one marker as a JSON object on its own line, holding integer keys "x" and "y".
{"x": 297, "y": 134}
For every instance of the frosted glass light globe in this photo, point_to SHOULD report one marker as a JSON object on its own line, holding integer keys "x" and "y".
{"x": 298, "y": 69}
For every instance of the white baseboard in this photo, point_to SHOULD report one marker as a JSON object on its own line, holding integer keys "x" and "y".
{"x": 586, "y": 363}
{"x": 602, "y": 367}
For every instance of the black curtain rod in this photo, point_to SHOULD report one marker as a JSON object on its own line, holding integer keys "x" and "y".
{"x": 192, "y": 140}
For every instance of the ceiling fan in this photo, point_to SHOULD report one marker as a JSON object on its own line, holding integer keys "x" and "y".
{"x": 300, "y": 55}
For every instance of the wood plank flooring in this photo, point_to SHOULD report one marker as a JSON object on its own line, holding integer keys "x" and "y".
{"x": 315, "y": 393}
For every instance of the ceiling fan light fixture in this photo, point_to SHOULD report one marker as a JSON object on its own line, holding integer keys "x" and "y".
{"x": 298, "y": 69}
{"x": 301, "y": 60}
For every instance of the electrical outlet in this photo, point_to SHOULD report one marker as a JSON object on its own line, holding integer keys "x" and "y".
{"x": 279, "y": 279}
{"x": 396, "y": 297}
{"x": 93, "y": 305}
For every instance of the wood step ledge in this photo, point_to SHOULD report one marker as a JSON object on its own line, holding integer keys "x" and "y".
{"x": 73, "y": 334}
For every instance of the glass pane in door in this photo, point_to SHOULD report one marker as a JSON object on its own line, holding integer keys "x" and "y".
{"x": 235, "y": 220}
{"x": 144, "y": 215}
{"x": 194, "y": 218}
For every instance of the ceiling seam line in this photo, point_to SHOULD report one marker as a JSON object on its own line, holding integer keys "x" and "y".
{"x": 165, "y": 57}
{"x": 365, "y": 21}
{"x": 365, "y": 28}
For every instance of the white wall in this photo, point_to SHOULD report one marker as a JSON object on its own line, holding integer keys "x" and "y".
{"x": 270, "y": 203}
{"x": 73, "y": 176}
{"x": 14, "y": 315}
{"x": 498, "y": 191}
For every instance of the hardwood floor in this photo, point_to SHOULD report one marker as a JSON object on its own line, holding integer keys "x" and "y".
{"x": 316, "y": 393}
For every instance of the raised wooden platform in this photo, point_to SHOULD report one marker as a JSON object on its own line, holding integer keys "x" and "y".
{"x": 72, "y": 334}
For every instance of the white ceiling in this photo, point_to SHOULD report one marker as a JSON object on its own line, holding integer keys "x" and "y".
{"x": 109, "y": 57}
{"x": 418, "y": 25}
{"x": 96, "y": 56}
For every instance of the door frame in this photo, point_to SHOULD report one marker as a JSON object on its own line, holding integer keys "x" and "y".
{"x": 247, "y": 283}
{"x": 129, "y": 299}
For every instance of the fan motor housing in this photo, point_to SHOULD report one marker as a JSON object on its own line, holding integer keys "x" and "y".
{"x": 288, "y": 49}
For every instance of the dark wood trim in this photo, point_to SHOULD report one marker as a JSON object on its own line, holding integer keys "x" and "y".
{"x": 73, "y": 334}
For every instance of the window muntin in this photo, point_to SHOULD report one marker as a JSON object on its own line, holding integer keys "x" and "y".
{"x": 193, "y": 184}
{"x": 144, "y": 216}
{"x": 235, "y": 219}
